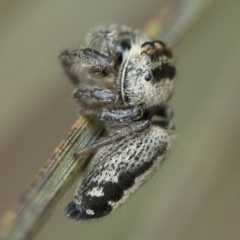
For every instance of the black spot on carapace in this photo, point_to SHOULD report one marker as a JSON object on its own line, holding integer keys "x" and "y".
{"x": 165, "y": 71}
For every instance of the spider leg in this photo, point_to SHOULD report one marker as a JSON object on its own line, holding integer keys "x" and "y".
{"x": 165, "y": 113}
{"x": 97, "y": 63}
{"x": 133, "y": 128}
{"x": 97, "y": 94}
{"x": 168, "y": 125}
{"x": 119, "y": 115}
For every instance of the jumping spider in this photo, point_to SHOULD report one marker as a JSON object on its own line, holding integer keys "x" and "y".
{"x": 125, "y": 79}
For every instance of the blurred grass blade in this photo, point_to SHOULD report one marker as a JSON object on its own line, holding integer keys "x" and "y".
{"x": 26, "y": 217}
{"x": 39, "y": 199}
{"x": 175, "y": 18}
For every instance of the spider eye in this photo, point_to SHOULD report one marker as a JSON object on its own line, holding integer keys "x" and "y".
{"x": 148, "y": 77}
{"x": 159, "y": 42}
{"x": 148, "y": 45}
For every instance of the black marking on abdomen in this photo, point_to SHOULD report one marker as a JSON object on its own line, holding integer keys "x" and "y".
{"x": 112, "y": 191}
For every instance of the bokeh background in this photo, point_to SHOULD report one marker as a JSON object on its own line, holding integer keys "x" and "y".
{"x": 196, "y": 192}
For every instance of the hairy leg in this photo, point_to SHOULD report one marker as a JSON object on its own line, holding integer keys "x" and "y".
{"x": 96, "y": 94}
{"x": 98, "y": 64}
{"x": 165, "y": 113}
{"x": 133, "y": 128}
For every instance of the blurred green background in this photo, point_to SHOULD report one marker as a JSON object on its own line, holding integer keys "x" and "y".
{"x": 196, "y": 192}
